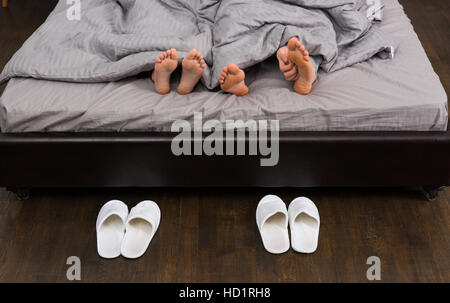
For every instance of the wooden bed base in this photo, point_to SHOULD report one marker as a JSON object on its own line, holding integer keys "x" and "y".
{"x": 307, "y": 159}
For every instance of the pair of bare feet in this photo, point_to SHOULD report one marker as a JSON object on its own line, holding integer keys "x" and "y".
{"x": 295, "y": 64}
{"x": 193, "y": 66}
{"x": 294, "y": 61}
{"x": 231, "y": 80}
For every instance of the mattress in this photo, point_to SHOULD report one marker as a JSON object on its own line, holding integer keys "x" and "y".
{"x": 402, "y": 94}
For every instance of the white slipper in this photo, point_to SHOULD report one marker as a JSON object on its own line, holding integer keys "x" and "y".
{"x": 304, "y": 222}
{"x": 272, "y": 221}
{"x": 141, "y": 226}
{"x": 111, "y": 228}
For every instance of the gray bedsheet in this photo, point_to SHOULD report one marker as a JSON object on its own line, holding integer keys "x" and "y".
{"x": 116, "y": 39}
{"x": 402, "y": 94}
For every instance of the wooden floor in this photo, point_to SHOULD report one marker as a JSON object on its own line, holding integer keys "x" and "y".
{"x": 211, "y": 235}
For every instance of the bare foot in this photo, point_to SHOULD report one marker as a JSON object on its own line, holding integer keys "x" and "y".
{"x": 232, "y": 80}
{"x": 164, "y": 67}
{"x": 193, "y": 67}
{"x": 288, "y": 68}
{"x": 300, "y": 56}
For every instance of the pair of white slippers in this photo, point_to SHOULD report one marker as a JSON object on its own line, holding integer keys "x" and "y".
{"x": 123, "y": 233}
{"x": 273, "y": 219}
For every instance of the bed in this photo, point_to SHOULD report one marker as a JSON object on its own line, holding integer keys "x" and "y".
{"x": 377, "y": 123}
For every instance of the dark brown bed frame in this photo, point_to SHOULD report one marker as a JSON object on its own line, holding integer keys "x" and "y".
{"x": 307, "y": 159}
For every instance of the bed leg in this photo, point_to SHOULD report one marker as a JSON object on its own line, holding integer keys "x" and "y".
{"x": 4, "y": 3}
{"x": 21, "y": 193}
{"x": 432, "y": 193}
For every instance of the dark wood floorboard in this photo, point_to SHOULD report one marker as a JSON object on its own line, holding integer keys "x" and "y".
{"x": 211, "y": 235}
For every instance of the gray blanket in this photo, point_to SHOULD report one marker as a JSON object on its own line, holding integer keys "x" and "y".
{"x": 115, "y": 39}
